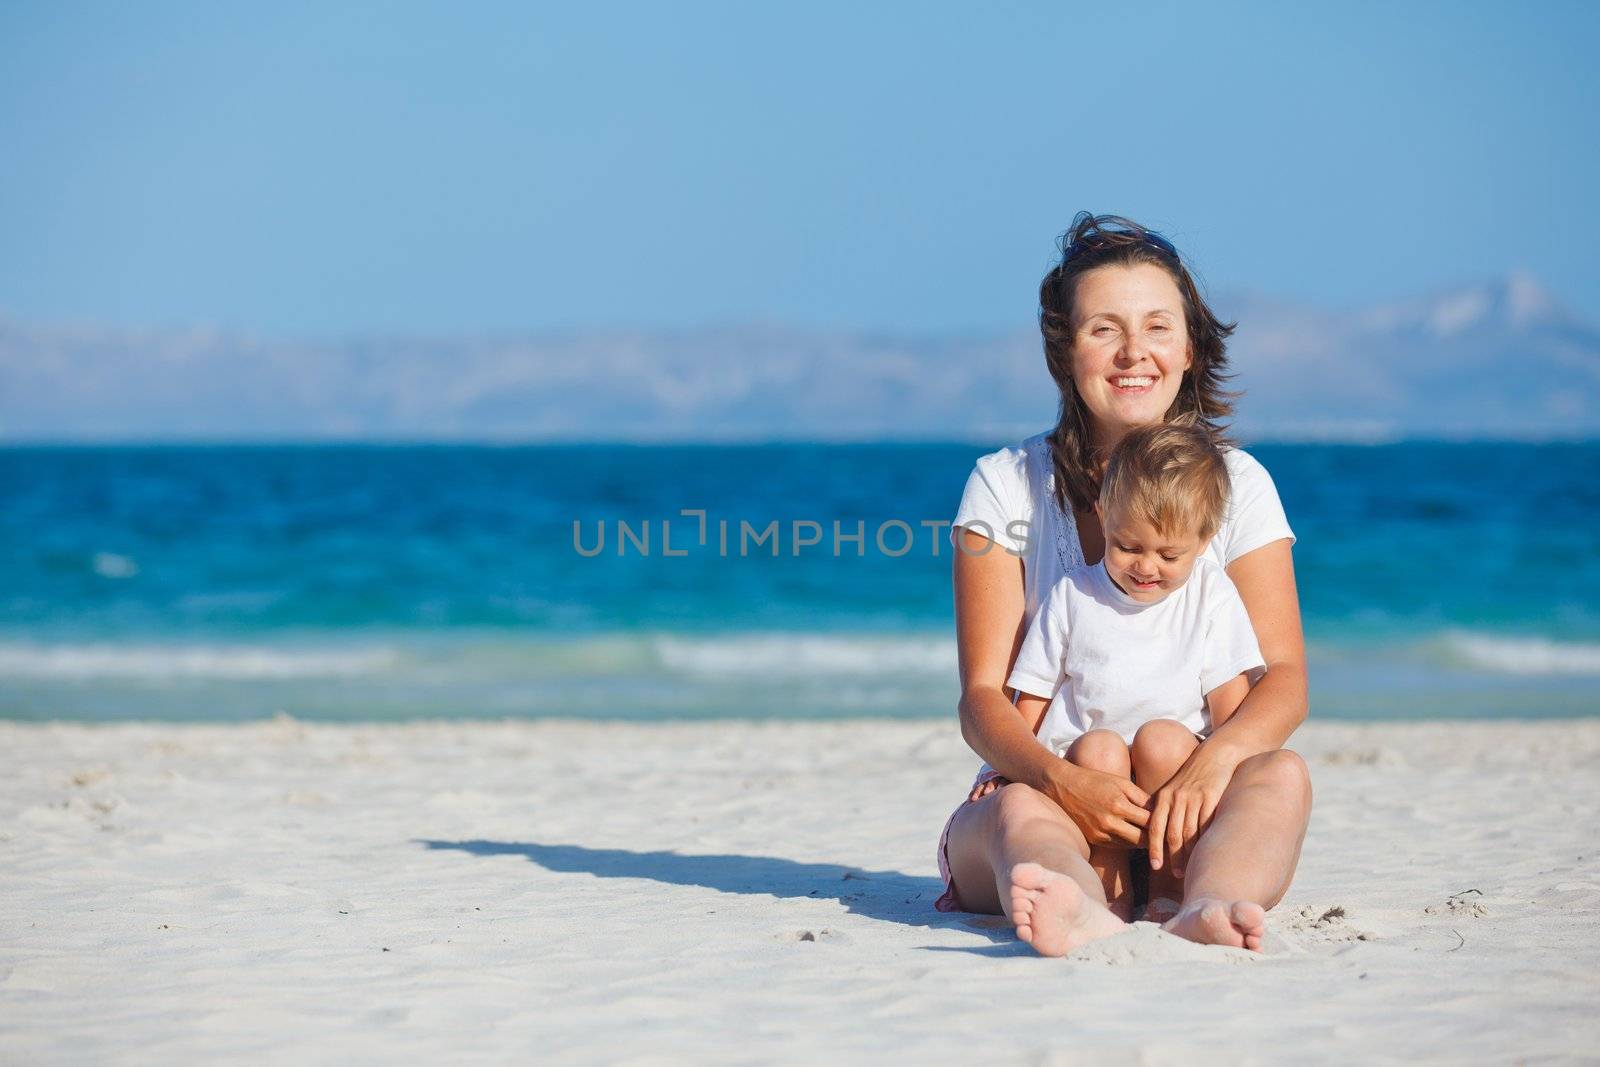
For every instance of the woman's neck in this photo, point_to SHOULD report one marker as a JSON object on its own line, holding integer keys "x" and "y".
{"x": 1105, "y": 442}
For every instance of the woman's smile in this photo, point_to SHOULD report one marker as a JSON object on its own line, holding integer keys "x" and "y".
{"x": 1134, "y": 385}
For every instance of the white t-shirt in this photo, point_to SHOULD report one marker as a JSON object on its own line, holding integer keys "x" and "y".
{"x": 1106, "y": 661}
{"x": 1010, "y": 498}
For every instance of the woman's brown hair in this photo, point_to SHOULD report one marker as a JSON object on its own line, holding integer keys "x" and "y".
{"x": 1096, "y": 241}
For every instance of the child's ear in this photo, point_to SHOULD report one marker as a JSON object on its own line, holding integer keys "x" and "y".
{"x": 1097, "y": 512}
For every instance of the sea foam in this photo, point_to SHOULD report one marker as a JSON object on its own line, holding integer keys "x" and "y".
{"x": 808, "y": 654}
{"x": 1526, "y": 655}
{"x": 160, "y": 662}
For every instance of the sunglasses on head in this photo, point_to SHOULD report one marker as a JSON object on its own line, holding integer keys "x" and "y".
{"x": 1098, "y": 241}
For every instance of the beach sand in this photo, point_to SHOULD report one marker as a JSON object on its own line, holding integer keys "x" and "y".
{"x": 562, "y": 892}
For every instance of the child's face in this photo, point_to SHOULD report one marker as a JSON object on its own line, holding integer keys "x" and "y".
{"x": 1146, "y": 563}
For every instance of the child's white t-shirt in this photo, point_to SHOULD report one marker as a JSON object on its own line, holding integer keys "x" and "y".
{"x": 1010, "y": 499}
{"x": 1109, "y": 662}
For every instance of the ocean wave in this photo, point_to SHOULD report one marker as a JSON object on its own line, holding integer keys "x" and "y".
{"x": 114, "y": 565}
{"x": 707, "y": 658}
{"x": 802, "y": 655}
{"x": 1525, "y": 655}
{"x": 797, "y": 658}
{"x": 161, "y": 662}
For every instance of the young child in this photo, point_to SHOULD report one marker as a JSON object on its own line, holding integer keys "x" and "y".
{"x": 1132, "y": 661}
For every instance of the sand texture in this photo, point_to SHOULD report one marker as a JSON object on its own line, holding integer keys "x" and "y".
{"x": 563, "y": 892}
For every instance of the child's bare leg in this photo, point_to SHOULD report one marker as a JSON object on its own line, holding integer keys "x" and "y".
{"x": 1103, "y": 750}
{"x": 1159, "y": 748}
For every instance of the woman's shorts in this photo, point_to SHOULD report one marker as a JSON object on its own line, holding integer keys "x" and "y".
{"x": 947, "y": 900}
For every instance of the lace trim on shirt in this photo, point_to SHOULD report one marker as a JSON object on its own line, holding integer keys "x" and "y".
{"x": 1069, "y": 549}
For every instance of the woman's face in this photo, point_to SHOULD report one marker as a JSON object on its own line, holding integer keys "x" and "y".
{"x": 1130, "y": 347}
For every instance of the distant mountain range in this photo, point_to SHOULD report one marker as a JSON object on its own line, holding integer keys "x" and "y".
{"x": 1499, "y": 359}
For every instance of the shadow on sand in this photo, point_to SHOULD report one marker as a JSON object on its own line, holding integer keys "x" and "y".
{"x": 889, "y": 896}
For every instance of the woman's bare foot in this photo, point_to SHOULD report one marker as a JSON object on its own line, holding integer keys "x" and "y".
{"x": 1053, "y": 913}
{"x": 1215, "y": 922}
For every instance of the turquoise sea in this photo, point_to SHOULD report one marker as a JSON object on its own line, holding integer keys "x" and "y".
{"x": 381, "y": 582}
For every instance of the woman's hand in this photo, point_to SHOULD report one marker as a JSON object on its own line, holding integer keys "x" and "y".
{"x": 984, "y": 788}
{"x": 1108, "y": 809}
{"x": 1183, "y": 807}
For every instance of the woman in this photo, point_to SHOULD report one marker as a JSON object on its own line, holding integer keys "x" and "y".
{"x": 1129, "y": 341}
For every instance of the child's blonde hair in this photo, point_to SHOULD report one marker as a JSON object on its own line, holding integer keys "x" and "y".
{"x": 1171, "y": 475}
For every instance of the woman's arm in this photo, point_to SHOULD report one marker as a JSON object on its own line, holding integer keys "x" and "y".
{"x": 1271, "y": 711}
{"x": 990, "y": 609}
{"x": 989, "y": 630}
{"x": 1278, "y": 703}
{"x": 1032, "y": 710}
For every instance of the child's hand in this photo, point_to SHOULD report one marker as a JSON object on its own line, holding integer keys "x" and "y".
{"x": 983, "y": 789}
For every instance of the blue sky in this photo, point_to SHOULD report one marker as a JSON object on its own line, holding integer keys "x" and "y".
{"x": 335, "y": 169}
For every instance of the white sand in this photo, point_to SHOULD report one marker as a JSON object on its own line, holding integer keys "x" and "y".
{"x": 741, "y": 893}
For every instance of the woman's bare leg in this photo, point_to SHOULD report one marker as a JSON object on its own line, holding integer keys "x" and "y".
{"x": 1244, "y": 861}
{"x": 1104, "y": 750}
{"x": 1015, "y": 852}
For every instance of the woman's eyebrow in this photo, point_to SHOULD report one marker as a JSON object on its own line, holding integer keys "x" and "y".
{"x": 1114, "y": 315}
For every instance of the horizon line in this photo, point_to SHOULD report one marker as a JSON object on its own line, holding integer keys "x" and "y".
{"x": 1354, "y": 440}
